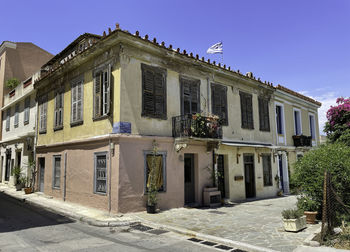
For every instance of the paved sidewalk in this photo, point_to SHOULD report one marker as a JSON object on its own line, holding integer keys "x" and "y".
{"x": 258, "y": 223}
{"x": 91, "y": 216}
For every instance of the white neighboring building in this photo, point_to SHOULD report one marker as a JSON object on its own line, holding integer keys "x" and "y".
{"x": 18, "y": 129}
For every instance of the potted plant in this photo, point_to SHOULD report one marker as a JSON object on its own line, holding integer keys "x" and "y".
{"x": 152, "y": 187}
{"x": 16, "y": 172}
{"x": 12, "y": 83}
{"x": 293, "y": 220}
{"x": 310, "y": 207}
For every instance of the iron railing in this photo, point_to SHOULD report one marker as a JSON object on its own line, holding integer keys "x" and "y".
{"x": 197, "y": 126}
{"x": 301, "y": 140}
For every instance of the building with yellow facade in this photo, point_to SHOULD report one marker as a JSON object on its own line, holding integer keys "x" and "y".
{"x": 107, "y": 101}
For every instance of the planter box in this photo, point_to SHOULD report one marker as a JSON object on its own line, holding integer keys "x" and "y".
{"x": 310, "y": 217}
{"x": 27, "y": 190}
{"x": 211, "y": 197}
{"x": 294, "y": 225}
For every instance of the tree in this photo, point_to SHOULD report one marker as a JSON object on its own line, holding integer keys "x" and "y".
{"x": 309, "y": 171}
{"x": 338, "y": 125}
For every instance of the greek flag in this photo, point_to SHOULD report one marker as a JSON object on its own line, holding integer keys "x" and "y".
{"x": 216, "y": 48}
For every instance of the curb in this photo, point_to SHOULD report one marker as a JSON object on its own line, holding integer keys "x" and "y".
{"x": 236, "y": 244}
{"x": 309, "y": 242}
{"x": 69, "y": 214}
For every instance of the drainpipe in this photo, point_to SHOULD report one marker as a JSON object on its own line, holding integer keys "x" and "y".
{"x": 35, "y": 143}
{"x": 65, "y": 177}
{"x": 110, "y": 175}
{"x": 214, "y": 170}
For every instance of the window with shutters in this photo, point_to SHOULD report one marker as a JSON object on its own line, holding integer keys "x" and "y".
{"x": 312, "y": 126}
{"x": 297, "y": 122}
{"x": 279, "y": 120}
{"x": 219, "y": 102}
{"x": 100, "y": 182}
{"x": 58, "y": 112}
{"x": 8, "y": 116}
{"x": 16, "y": 115}
{"x": 102, "y": 92}
{"x": 190, "y": 96}
{"x": 77, "y": 92}
{"x": 56, "y": 176}
{"x": 42, "y": 114}
{"x": 154, "y": 92}
{"x": 26, "y": 110}
{"x": 246, "y": 110}
{"x": 264, "y": 114}
{"x": 267, "y": 170}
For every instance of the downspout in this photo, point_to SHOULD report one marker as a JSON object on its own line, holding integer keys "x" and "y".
{"x": 65, "y": 177}
{"x": 208, "y": 94}
{"x": 110, "y": 175}
{"x": 35, "y": 144}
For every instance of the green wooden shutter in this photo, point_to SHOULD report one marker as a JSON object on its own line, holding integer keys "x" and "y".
{"x": 219, "y": 102}
{"x": 249, "y": 111}
{"x": 195, "y": 98}
{"x": 159, "y": 95}
{"x": 79, "y": 101}
{"x": 243, "y": 110}
{"x": 109, "y": 85}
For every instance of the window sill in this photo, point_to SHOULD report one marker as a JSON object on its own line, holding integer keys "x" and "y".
{"x": 15, "y": 126}
{"x": 56, "y": 188}
{"x": 100, "y": 118}
{"x": 42, "y": 131}
{"x": 246, "y": 128}
{"x": 57, "y": 128}
{"x": 26, "y": 122}
{"x": 264, "y": 130}
{"x": 154, "y": 117}
{"x": 76, "y": 123}
{"x": 101, "y": 193}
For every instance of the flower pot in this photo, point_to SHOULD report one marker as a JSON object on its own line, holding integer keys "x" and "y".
{"x": 18, "y": 187}
{"x": 294, "y": 225}
{"x": 151, "y": 209}
{"x": 27, "y": 190}
{"x": 310, "y": 217}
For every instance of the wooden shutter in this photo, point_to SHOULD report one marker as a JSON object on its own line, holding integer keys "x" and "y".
{"x": 153, "y": 92}
{"x": 97, "y": 94}
{"x": 190, "y": 97}
{"x": 26, "y": 109}
{"x": 79, "y": 101}
{"x": 246, "y": 110}
{"x": 219, "y": 102}
{"x": 74, "y": 102}
{"x": 195, "y": 98}
{"x": 264, "y": 119}
{"x": 109, "y": 77}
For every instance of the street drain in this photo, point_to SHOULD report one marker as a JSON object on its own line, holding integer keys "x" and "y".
{"x": 223, "y": 247}
{"x": 141, "y": 227}
{"x": 157, "y": 231}
{"x": 195, "y": 239}
{"x": 208, "y": 243}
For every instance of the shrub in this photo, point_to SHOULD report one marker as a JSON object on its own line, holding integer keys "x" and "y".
{"x": 12, "y": 83}
{"x": 292, "y": 213}
{"x": 309, "y": 172}
{"x": 306, "y": 203}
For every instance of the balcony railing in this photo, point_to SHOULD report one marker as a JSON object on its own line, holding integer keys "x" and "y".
{"x": 197, "y": 126}
{"x": 301, "y": 140}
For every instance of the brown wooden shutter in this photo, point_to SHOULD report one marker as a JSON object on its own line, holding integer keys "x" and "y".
{"x": 97, "y": 94}
{"x": 243, "y": 110}
{"x": 159, "y": 95}
{"x": 249, "y": 111}
{"x": 264, "y": 119}
{"x": 194, "y": 90}
{"x": 148, "y": 93}
{"x": 219, "y": 102}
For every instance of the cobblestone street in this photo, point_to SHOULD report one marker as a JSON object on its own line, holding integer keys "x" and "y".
{"x": 257, "y": 223}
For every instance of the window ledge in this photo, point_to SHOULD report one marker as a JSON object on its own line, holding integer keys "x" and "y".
{"x": 58, "y": 128}
{"x": 56, "y": 188}
{"x": 42, "y": 131}
{"x": 101, "y": 193}
{"x": 265, "y": 130}
{"x": 154, "y": 117}
{"x": 100, "y": 118}
{"x": 26, "y": 122}
{"x": 15, "y": 126}
{"x": 76, "y": 123}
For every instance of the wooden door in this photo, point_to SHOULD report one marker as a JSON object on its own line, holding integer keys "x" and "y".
{"x": 249, "y": 175}
{"x": 189, "y": 178}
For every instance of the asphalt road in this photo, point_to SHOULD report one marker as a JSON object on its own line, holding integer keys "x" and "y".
{"x": 25, "y": 228}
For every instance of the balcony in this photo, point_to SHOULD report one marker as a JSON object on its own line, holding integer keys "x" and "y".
{"x": 302, "y": 141}
{"x": 197, "y": 126}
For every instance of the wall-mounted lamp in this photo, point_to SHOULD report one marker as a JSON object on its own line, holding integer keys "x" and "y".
{"x": 237, "y": 156}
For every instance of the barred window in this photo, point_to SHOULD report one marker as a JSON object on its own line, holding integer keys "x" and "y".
{"x": 56, "y": 172}
{"x": 100, "y": 184}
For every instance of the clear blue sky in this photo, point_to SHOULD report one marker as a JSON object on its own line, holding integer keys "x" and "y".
{"x": 301, "y": 44}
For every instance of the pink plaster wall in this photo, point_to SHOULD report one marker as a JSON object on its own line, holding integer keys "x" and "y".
{"x": 131, "y": 180}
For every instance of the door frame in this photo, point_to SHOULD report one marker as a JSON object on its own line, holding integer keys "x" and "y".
{"x": 251, "y": 175}
{"x": 193, "y": 182}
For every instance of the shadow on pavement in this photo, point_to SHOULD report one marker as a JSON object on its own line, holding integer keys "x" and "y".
{"x": 16, "y": 215}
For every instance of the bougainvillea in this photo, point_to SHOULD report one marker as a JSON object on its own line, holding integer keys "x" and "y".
{"x": 338, "y": 117}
